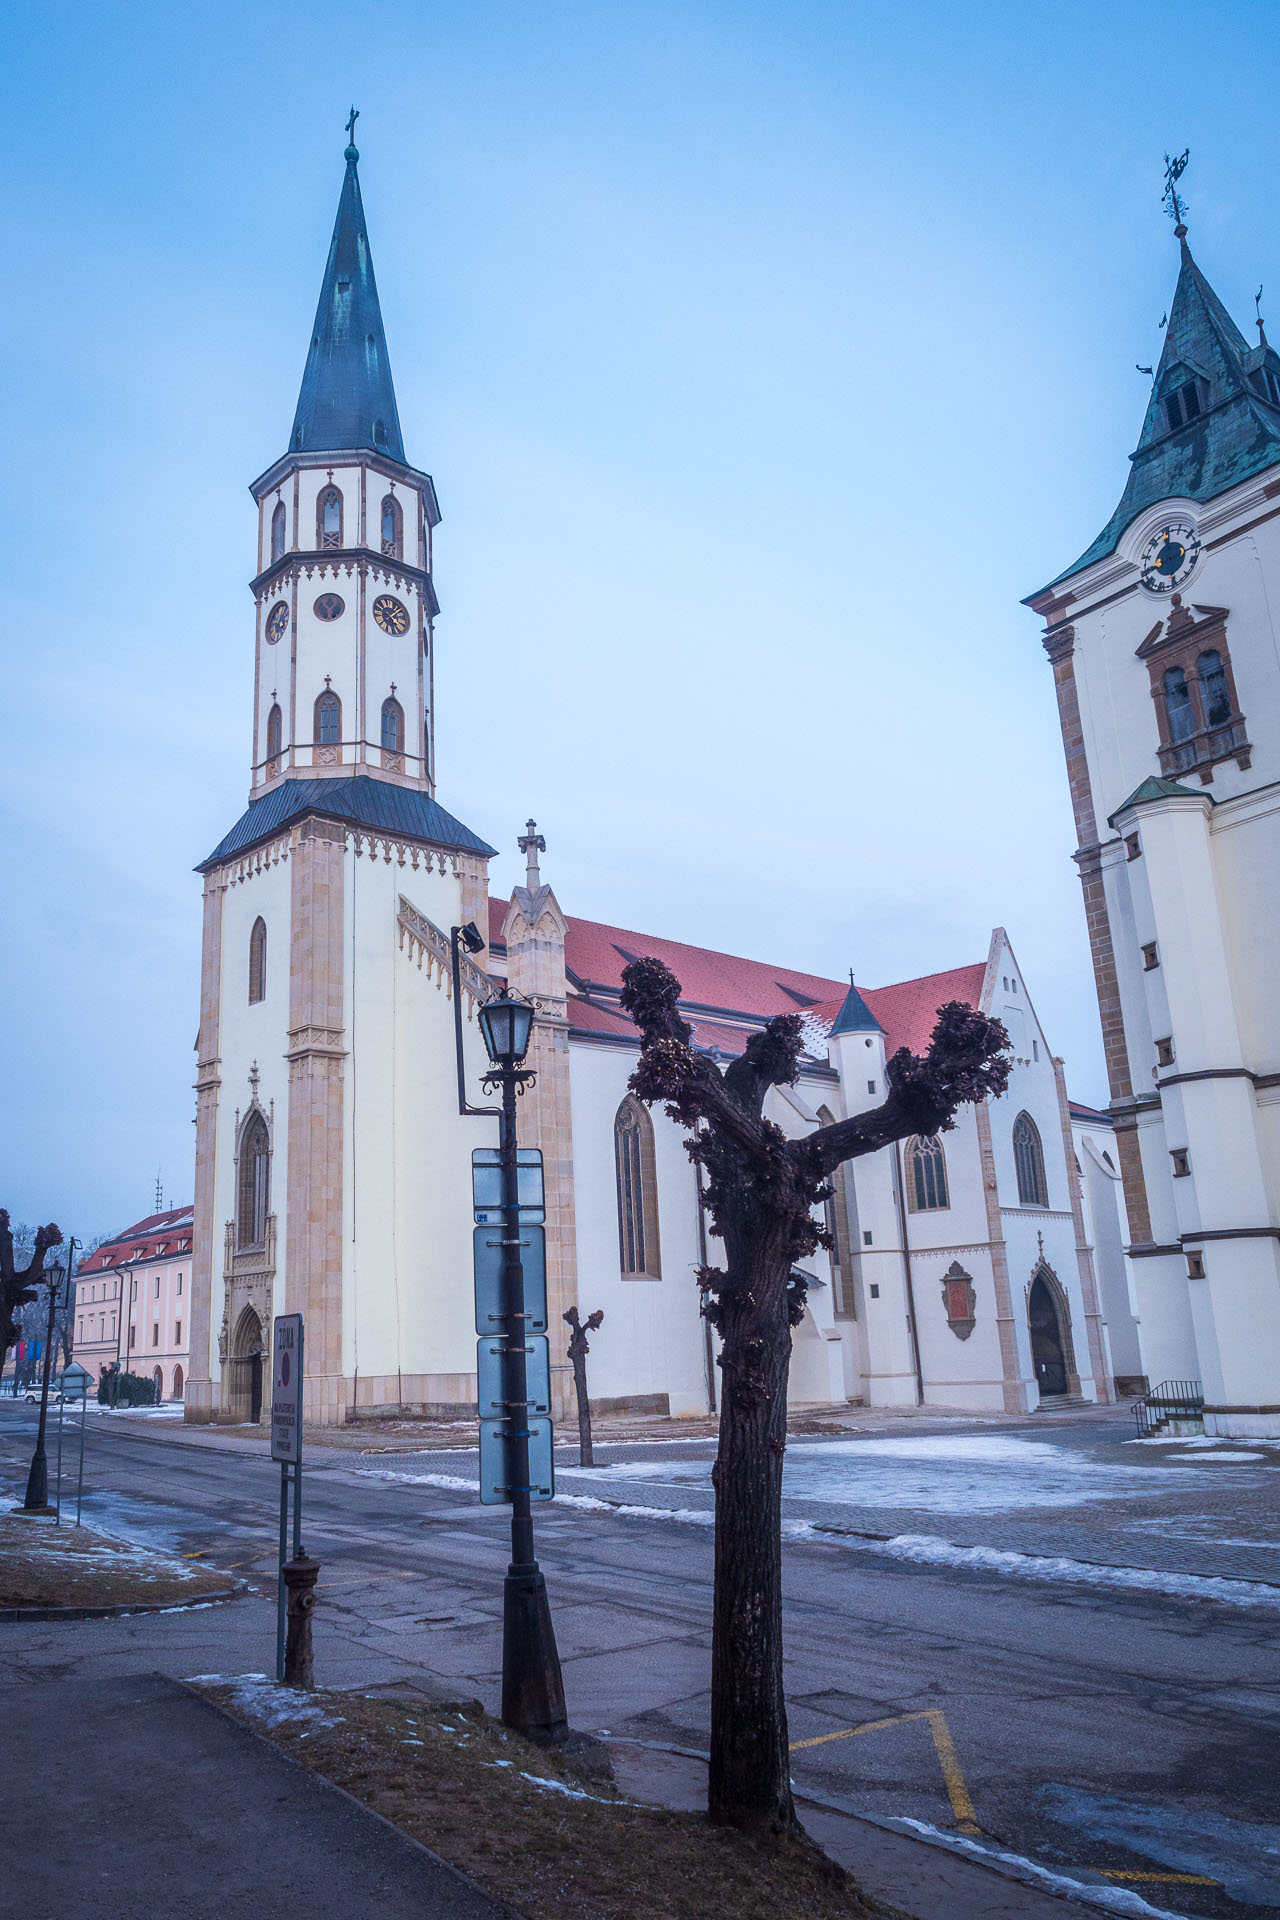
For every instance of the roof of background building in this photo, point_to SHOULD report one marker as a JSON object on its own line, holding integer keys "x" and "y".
{"x": 347, "y": 398}
{"x": 1235, "y": 435}
{"x": 160, "y": 1236}
{"x": 362, "y": 801}
{"x": 1090, "y": 1116}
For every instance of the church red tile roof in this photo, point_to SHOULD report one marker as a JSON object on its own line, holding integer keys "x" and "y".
{"x": 159, "y": 1236}
{"x": 725, "y": 984}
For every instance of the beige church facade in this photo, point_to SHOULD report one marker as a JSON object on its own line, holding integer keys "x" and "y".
{"x": 984, "y": 1269}
{"x": 1166, "y": 654}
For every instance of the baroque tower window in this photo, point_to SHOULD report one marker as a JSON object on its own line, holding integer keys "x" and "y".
{"x": 392, "y": 726}
{"x": 258, "y": 961}
{"x": 1028, "y": 1158}
{"x": 277, "y": 532}
{"x": 637, "y": 1191}
{"x": 275, "y": 729}
{"x": 392, "y": 527}
{"x": 329, "y": 518}
{"x": 328, "y": 730}
{"x": 253, "y": 1187}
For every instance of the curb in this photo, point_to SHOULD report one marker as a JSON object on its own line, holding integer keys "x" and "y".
{"x": 1078, "y": 1892}
{"x": 10, "y": 1616}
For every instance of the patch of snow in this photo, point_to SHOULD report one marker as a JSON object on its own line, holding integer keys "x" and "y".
{"x": 1205, "y": 1458}
{"x": 575, "y": 1793}
{"x": 1117, "y": 1899}
{"x": 263, "y": 1700}
{"x": 447, "y": 1480}
{"x": 924, "y": 1549}
{"x": 690, "y": 1516}
{"x": 929, "y": 1473}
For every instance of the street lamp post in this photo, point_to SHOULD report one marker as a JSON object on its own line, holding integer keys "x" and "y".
{"x": 532, "y": 1687}
{"x": 37, "y": 1499}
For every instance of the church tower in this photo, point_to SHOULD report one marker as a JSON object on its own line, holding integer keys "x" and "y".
{"x": 1163, "y": 641}
{"x": 327, "y": 1121}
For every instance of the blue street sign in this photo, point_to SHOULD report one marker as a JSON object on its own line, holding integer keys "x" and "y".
{"x": 495, "y": 1473}
{"x": 486, "y": 1186}
{"x": 488, "y": 1254}
{"x": 492, "y": 1390}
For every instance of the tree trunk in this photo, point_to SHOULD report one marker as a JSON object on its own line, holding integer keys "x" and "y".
{"x": 750, "y": 1777}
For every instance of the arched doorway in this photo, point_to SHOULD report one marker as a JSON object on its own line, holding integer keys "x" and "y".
{"x": 177, "y": 1383}
{"x": 1048, "y": 1347}
{"x": 246, "y": 1368}
{"x": 158, "y": 1382}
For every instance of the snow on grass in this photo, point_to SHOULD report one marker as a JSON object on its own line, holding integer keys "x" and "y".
{"x": 261, "y": 1699}
{"x": 1116, "y": 1899}
{"x": 449, "y": 1481}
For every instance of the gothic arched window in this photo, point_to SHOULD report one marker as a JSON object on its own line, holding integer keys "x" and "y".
{"x": 392, "y": 527}
{"x": 277, "y": 532}
{"x": 329, "y": 518}
{"x": 258, "y": 961}
{"x": 393, "y": 726}
{"x": 328, "y": 720}
{"x": 275, "y": 730}
{"x": 926, "y": 1176}
{"x": 253, "y": 1186}
{"x": 1177, "y": 704}
{"x": 1028, "y": 1158}
{"x": 1214, "y": 695}
{"x": 638, "y": 1250}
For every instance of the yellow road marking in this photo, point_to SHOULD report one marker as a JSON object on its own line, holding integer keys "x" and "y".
{"x": 957, "y": 1792}
{"x": 1165, "y": 1879}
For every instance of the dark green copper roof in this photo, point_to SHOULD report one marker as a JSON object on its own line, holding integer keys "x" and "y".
{"x": 364, "y": 802}
{"x": 855, "y": 1016}
{"x": 347, "y": 398}
{"x": 1237, "y": 433}
{"x": 1154, "y": 787}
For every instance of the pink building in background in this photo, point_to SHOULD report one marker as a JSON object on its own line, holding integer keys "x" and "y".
{"x": 148, "y": 1266}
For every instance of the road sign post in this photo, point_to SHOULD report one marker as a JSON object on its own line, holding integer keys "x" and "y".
{"x": 286, "y": 1447}
{"x": 76, "y": 1382}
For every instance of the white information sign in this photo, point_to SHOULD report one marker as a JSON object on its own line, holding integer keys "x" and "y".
{"x": 286, "y": 1389}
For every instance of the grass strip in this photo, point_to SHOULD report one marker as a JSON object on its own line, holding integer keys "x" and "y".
{"x": 527, "y": 1827}
{"x": 43, "y": 1565}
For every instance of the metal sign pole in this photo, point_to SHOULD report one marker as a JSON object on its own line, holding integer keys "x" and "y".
{"x": 281, "y": 1594}
{"x": 57, "y": 1483}
{"x": 84, "y": 1402}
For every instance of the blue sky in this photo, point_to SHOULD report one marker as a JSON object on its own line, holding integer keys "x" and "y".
{"x": 764, "y": 356}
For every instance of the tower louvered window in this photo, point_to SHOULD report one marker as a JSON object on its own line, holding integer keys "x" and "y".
{"x": 1214, "y": 695}
{"x": 1178, "y": 707}
{"x": 275, "y": 729}
{"x": 392, "y": 726}
{"x": 277, "y": 532}
{"x": 258, "y": 961}
{"x": 392, "y": 527}
{"x": 329, "y": 518}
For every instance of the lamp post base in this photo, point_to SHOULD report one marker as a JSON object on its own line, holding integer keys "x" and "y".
{"x": 532, "y": 1689}
{"x": 37, "y": 1500}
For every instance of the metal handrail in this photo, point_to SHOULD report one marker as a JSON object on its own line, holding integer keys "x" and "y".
{"x": 1171, "y": 1400}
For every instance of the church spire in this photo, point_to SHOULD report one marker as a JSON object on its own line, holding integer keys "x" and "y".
{"x": 347, "y": 399}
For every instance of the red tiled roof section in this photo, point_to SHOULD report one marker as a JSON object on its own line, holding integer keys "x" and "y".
{"x": 909, "y": 1011}
{"x": 159, "y": 1235}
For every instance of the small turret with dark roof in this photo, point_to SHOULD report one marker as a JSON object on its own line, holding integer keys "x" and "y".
{"x": 855, "y": 1016}
{"x": 347, "y": 399}
{"x": 1213, "y": 418}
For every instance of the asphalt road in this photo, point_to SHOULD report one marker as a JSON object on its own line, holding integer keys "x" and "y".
{"x": 1129, "y": 1735}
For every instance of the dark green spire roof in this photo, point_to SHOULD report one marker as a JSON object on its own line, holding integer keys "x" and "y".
{"x": 347, "y": 398}
{"x": 1235, "y": 434}
{"x": 855, "y": 1016}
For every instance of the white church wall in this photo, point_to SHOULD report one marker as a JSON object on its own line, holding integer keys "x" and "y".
{"x": 958, "y": 1372}
{"x": 652, "y": 1341}
{"x": 1103, "y": 1197}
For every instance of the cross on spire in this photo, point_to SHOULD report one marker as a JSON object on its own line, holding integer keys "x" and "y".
{"x": 531, "y": 844}
{"x": 1175, "y": 205}
{"x": 352, "y": 153}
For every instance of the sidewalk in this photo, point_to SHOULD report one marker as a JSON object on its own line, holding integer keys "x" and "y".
{"x": 156, "y": 1800}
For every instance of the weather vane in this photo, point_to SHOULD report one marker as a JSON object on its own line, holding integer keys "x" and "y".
{"x": 1175, "y": 205}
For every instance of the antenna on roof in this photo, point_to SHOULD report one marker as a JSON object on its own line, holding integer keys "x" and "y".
{"x": 159, "y": 1193}
{"x": 1175, "y": 205}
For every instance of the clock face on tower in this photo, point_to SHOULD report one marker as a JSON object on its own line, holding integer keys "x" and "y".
{"x": 277, "y": 621}
{"x": 390, "y": 615}
{"x": 1169, "y": 556}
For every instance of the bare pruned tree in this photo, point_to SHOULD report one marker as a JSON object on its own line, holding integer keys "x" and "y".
{"x": 762, "y": 1191}
{"x": 18, "y": 1284}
